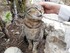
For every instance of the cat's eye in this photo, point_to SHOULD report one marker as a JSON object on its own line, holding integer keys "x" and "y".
{"x": 32, "y": 10}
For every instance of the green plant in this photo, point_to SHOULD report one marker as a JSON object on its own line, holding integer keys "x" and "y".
{"x": 8, "y": 17}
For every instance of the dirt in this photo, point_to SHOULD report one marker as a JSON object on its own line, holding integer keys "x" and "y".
{"x": 16, "y": 40}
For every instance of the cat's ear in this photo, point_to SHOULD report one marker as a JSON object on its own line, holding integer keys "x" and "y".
{"x": 28, "y": 2}
{"x": 39, "y": 7}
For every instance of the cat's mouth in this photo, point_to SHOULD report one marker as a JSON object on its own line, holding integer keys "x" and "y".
{"x": 35, "y": 17}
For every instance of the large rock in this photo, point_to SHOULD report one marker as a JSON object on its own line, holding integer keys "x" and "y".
{"x": 67, "y": 34}
{"x": 55, "y": 41}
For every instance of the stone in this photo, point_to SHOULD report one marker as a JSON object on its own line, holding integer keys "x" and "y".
{"x": 67, "y": 34}
{"x": 55, "y": 40}
{"x": 13, "y": 50}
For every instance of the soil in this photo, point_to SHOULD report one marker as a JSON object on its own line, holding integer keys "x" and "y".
{"x": 16, "y": 40}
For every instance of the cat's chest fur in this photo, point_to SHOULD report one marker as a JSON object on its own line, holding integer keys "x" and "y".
{"x": 33, "y": 30}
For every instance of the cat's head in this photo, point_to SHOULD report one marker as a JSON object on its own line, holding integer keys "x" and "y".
{"x": 35, "y": 12}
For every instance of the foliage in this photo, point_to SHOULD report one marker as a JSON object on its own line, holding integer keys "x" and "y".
{"x": 7, "y": 17}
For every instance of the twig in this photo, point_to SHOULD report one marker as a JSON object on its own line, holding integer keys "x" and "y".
{"x": 4, "y": 30}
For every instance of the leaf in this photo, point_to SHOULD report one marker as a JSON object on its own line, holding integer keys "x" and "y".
{"x": 7, "y": 17}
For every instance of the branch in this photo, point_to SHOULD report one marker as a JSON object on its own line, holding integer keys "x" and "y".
{"x": 3, "y": 27}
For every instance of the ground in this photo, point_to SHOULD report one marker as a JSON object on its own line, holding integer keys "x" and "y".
{"x": 18, "y": 41}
